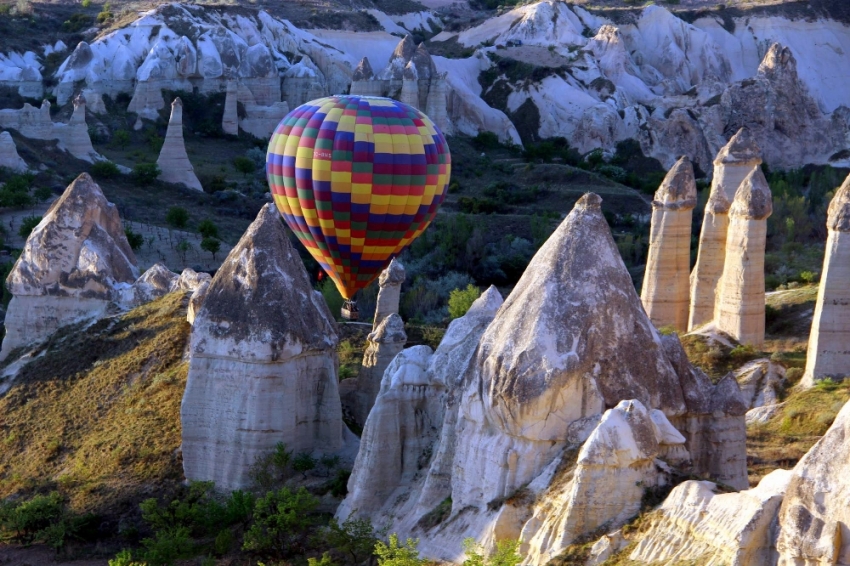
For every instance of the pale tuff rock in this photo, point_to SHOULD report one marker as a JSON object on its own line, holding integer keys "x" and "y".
{"x": 733, "y": 163}
{"x": 382, "y": 345}
{"x": 35, "y": 123}
{"x": 815, "y": 517}
{"x": 571, "y": 341}
{"x": 196, "y": 300}
{"x": 666, "y": 288}
{"x": 761, "y": 382}
{"x": 74, "y": 263}
{"x": 173, "y": 160}
{"x": 230, "y": 120}
{"x": 263, "y": 365}
{"x": 729, "y": 529}
{"x": 389, "y": 291}
{"x": 156, "y": 282}
{"x": 617, "y": 458}
{"x": 147, "y": 100}
{"x": 394, "y": 416}
{"x": 828, "y": 353}
{"x": 190, "y": 280}
{"x": 9, "y": 157}
{"x": 363, "y": 71}
{"x": 94, "y": 101}
{"x": 740, "y": 304}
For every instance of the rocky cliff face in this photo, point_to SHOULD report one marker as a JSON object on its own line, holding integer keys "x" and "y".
{"x": 263, "y": 366}
{"x": 828, "y": 355}
{"x": 520, "y": 448}
{"x": 74, "y": 263}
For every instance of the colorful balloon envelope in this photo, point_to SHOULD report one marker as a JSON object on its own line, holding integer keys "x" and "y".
{"x": 357, "y": 178}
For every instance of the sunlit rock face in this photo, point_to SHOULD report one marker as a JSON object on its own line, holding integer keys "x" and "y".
{"x": 666, "y": 288}
{"x": 73, "y": 265}
{"x": 263, "y": 362}
{"x": 829, "y": 354}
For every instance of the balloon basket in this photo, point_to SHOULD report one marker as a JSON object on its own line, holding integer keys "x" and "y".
{"x": 349, "y": 310}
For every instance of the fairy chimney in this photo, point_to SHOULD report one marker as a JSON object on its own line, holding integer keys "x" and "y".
{"x": 666, "y": 289}
{"x": 173, "y": 161}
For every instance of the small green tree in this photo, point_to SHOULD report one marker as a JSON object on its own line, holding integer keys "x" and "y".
{"x": 354, "y": 538}
{"x": 208, "y": 229}
{"x": 395, "y": 554}
{"x": 177, "y": 217}
{"x": 325, "y": 560}
{"x": 135, "y": 240}
{"x": 244, "y": 165}
{"x": 42, "y": 193}
{"x": 105, "y": 170}
{"x": 211, "y": 245}
{"x": 121, "y": 138}
{"x": 505, "y": 554}
{"x": 28, "y": 224}
{"x": 461, "y": 299}
{"x": 303, "y": 462}
{"x": 145, "y": 174}
{"x": 281, "y": 523}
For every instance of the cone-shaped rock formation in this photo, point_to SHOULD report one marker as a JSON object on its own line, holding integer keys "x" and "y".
{"x": 829, "y": 341}
{"x": 733, "y": 163}
{"x": 740, "y": 304}
{"x": 9, "y": 157}
{"x": 173, "y": 161}
{"x": 666, "y": 287}
{"x": 72, "y": 266}
{"x": 263, "y": 366}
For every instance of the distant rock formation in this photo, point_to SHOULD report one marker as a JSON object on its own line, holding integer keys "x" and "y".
{"x": 35, "y": 123}
{"x": 829, "y": 341}
{"x": 762, "y": 383}
{"x": 410, "y": 77}
{"x": 173, "y": 161}
{"x": 9, "y": 157}
{"x": 814, "y": 517}
{"x": 666, "y": 289}
{"x": 740, "y": 303}
{"x": 696, "y": 522}
{"x": 154, "y": 283}
{"x": 733, "y": 163}
{"x": 389, "y": 292}
{"x": 73, "y": 265}
{"x": 230, "y": 120}
{"x": 263, "y": 362}
{"x": 94, "y": 101}
{"x": 382, "y": 345}
{"x": 260, "y": 121}
{"x": 523, "y": 449}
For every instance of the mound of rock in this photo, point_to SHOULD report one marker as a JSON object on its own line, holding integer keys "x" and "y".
{"x": 263, "y": 362}
{"x": 9, "y": 157}
{"x": 73, "y": 265}
{"x": 554, "y": 417}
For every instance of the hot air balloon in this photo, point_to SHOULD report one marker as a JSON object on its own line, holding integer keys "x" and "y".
{"x": 357, "y": 179}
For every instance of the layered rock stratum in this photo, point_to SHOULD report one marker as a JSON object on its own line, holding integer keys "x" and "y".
{"x": 263, "y": 366}
{"x": 74, "y": 264}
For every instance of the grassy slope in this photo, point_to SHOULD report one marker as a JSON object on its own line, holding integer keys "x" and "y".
{"x": 97, "y": 415}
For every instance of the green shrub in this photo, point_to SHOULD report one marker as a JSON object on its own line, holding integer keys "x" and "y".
{"x": 282, "y": 520}
{"x": 808, "y": 276}
{"x": 339, "y": 484}
{"x": 145, "y": 174}
{"x": 42, "y": 193}
{"x": 121, "y": 138}
{"x": 166, "y": 546}
{"x": 105, "y": 170}
{"x": 211, "y": 245}
{"x": 28, "y": 224}
{"x": 303, "y": 462}
{"x": 460, "y": 300}
{"x": 271, "y": 469}
{"x": 135, "y": 240}
{"x": 24, "y": 521}
{"x": 505, "y": 554}
{"x": 395, "y": 554}
{"x": 325, "y": 560}
{"x": 208, "y": 229}
{"x": 213, "y": 183}
{"x": 124, "y": 558}
{"x": 244, "y": 165}
{"x": 177, "y": 217}
{"x": 354, "y": 538}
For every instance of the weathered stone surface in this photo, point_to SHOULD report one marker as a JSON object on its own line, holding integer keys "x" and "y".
{"x": 9, "y": 157}
{"x": 697, "y": 524}
{"x": 829, "y": 341}
{"x": 733, "y": 163}
{"x": 173, "y": 160}
{"x": 363, "y": 72}
{"x": 761, "y": 382}
{"x": 154, "y": 283}
{"x": 263, "y": 366}
{"x": 666, "y": 289}
{"x": 196, "y": 300}
{"x": 382, "y": 345}
{"x": 389, "y": 292}
{"x": 814, "y": 521}
{"x": 740, "y": 304}
{"x": 617, "y": 458}
{"x": 230, "y": 119}
{"x": 74, "y": 263}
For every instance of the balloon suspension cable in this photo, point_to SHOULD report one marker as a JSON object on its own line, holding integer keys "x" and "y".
{"x": 349, "y": 310}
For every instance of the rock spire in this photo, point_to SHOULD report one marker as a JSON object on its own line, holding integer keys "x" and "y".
{"x": 230, "y": 119}
{"x": 733, "y": 163}
{"x": 263, "y": 365}
{"x": 71, "y": 268}
{"x": 829, "y": 354}
{"x": 9, "y": 157}
{"x": 666, "y": 288}
{"x": 740, "y": 304}
{"x": 389, "y": 291}
{"x": 173, "y": 160}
